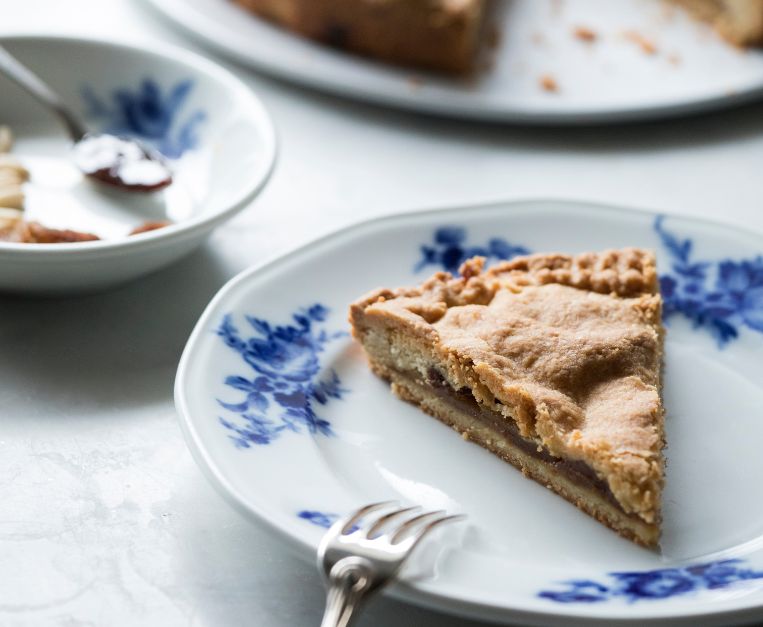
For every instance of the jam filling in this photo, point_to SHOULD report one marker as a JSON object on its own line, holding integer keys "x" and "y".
{"x": 576, "y": 471}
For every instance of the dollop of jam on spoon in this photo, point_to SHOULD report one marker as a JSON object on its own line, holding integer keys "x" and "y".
{"x": 121, "y": 162}
{"x": 117, "y": 161}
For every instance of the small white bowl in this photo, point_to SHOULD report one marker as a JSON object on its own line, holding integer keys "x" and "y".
{"x": 218, "y": 137}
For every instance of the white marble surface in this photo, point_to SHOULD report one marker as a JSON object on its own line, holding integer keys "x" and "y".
{"x": 105, "y": 519}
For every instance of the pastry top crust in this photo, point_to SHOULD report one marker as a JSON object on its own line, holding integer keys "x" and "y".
{"x": 570, "y": 348}
{"x": 628, "y": 272}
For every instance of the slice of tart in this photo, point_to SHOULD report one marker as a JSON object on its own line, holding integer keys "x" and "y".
{"x": 432, "y": 34}
{"x": 549, "y": 361}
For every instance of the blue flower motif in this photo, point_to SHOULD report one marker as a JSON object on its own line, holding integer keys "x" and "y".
{"x": 449, "y": 250}
{"x": 281, "y": 393}
{"x": 655, "y": 584}
{"x": 149, "y": 114}
{"x": 322, "y": 519}
{"x": 720, "y": 296}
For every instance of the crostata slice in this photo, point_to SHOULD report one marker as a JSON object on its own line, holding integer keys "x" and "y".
{"x": 551, "y": 362}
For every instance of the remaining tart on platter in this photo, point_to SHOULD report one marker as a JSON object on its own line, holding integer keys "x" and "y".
{"x": 551, "y": 362}
{"x": 434, "y": 34}
{"x": 445, "y": 35}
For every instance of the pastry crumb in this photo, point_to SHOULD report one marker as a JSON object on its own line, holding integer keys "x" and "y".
{"x": 647, "y": 45}
{"x": 583, "y": 33}
{"x": 674, "y": 59}
{"x": 151, "y": 225}
{"x": 40, "y": 234}
{"x": 548, "y": 83}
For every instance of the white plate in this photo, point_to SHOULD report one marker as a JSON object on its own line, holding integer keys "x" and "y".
{"x": 215, "y": 132}
{"x": 610, "y": 80}
{"x": 324, "y": 435}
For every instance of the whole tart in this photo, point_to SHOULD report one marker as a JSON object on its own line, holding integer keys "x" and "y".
{"x": 432, "y": 34}
{"x": 445, "y": 35}
{"x": 551, "y": 362}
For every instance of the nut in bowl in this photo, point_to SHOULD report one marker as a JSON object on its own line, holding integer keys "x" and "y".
{"x": 63, "y": 233}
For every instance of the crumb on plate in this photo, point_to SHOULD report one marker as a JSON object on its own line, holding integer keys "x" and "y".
{"x": 647, "y": 45}
{"x": 583, "y": 33}
{"x": 548, "y": 83}
{"x": 151, "y": 225}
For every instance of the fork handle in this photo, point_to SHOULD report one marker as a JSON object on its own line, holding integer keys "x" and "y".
{"x": 349, "y": 585}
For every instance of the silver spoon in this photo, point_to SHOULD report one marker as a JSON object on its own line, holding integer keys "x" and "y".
{"x": 117, "y": 161}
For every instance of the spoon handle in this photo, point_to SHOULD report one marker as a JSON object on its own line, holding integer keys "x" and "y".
{"x": 11, "y": 67}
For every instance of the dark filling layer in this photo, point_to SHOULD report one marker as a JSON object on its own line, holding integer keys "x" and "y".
{"x": 576, "y": 471}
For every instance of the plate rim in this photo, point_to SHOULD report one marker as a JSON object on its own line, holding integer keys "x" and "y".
{"x": 193, "y": 23}
{"x": 185, "y": 229}
{"x": 409, "y": 592}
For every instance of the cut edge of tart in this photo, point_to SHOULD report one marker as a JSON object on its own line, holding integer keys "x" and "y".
{"x": 551, "y": 362}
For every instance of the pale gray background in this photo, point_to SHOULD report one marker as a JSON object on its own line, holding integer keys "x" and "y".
{"x": 104, "y": 517}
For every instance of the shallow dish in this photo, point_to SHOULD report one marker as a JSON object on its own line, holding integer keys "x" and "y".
{"x": 217, "y": 135}
{"x": 643, "y": 64}
{"x": 282, "y": 413}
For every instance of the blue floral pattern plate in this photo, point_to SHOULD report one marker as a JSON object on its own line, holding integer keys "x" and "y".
{"x": 284, "y": 416}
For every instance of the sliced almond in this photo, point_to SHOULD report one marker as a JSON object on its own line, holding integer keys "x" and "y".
{"x": 12, "y": 197}
{"x": 8, "y": 163}
{"x": 6, "y": 139}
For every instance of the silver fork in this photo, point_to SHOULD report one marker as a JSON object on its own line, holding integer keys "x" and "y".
{"x": 358, "y": 557}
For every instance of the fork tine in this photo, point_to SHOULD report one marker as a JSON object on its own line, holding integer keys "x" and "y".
{"x": 412, "y": 522}
{"x": 423, "y": 530}
{"x": 387, "y": 518}
{"x": 343, "y": 525}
